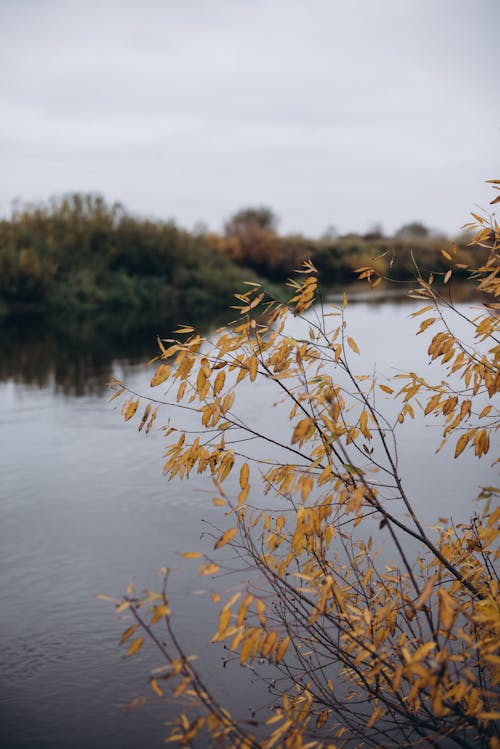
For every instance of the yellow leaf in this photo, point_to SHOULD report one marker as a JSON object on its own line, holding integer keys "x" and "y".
{"x": 123, "y": 606}
{"x": 159, "y": 613}
{"x": 446, "y": 609}
{"x": 160, "y": 375}
{"x": 181, "y": 390}
{"x": 128, "y": 633}
{"x": 243, "y": 495}
{"x": 422, "y": 310}
{"x": 352, "y": 343}
{"x": 426, "y": 593}
{"x": 224, "y": 619}
{"x": 185, "y": 329}
{"x": 322, "y": 718}
{"x": 244, "y": 472}
{"x": 462, "y": 444}
{"x": 226, "y": 538}
{"x": 219, "y": 382}
{"x": 147, "y": 411}
{"x": 210, "y": 569}
{"x": 245, "y": 650}
{"x": 135, "y": 645}
{"x": 301, "y": 429}
{"x": 363, "y": 425}
{"x": 253, "y": 366}
{"x": 191, "y": 554}
{"x": 283, "y": 647}
{"x": 129, "y": 409}
{"x": 261, "y": 607}
{"x": 425, "y": 324}
{"x": 447, "y": 276}
{"x": 156, "y": 688}
{"x": 386, "y": 389}
{"x": 151, "y": 420}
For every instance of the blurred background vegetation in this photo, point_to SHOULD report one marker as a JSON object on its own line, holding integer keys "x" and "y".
{"x": 77, "y": 256}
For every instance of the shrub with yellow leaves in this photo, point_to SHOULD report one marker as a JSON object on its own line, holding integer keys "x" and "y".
{"x": 357, "y": 652}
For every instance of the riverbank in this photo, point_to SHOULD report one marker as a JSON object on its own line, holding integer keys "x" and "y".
{"x": 77, "y": 255}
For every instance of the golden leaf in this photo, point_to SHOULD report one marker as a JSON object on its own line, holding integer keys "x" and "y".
{"x": 301, "y": 429}
{"x": 244, "y": 473}
{"x": 210, "y": 569}
{"x": 156, "y": 688}
{"x": 243, "y": 495}
{"x": 462, "y": 444}
{"x": 147, "y": 411}
{"x": 219, "y": 382}
{"x": 446, "y": 609}
{"x": 425, "y": 324}
{"x": 129, "y": 409}
{"x": 322, "y": 718}
{"x": 226, "y": 537}
{"x": 123, "y": 606}
{"x": 128, "y": 633}
{"x": 386, "y": 389}
{"x": 245, "y": 650}
{"x": 191, "y": 554}
{"x": 160, "y": 375}
{"x": 224, "y": 619}
{"x": 135, "y": 645}
{"x": 159, "y": 613}
{"x": 253, "y": 366}
{"x": 282, "y": 648}
{"x": 152, "y": 420}
{"x": 352, "y": 343}
{"x": 426, "y": 592}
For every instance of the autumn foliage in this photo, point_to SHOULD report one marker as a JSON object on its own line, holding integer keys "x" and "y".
{"x": 356, "y": 650}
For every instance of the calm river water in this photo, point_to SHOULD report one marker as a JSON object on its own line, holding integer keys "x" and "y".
{"x": 84, "y": 508}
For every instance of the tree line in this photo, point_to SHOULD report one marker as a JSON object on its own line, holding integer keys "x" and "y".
{"x": 77, "y": 255}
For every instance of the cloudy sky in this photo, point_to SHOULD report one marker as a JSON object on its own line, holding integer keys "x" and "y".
{"x": 332, "y": 112}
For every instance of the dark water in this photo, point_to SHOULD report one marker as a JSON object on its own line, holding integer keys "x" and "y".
{"x": 84, "y": 508}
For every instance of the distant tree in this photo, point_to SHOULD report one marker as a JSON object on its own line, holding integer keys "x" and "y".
{"x": 247, "y": 221}
{"x": 330, "y": 233}
{"x": 374, "y": 233}
{"x": 413, "y": 230}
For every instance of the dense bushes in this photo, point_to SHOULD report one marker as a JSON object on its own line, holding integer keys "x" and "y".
{"x": 254, "y": 243}
{"x": 77, "y": 255}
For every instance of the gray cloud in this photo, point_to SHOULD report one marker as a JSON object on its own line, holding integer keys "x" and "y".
{"x": 330, "y": 112}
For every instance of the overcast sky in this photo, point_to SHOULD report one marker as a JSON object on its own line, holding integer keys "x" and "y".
{"x": 331, "y": 112}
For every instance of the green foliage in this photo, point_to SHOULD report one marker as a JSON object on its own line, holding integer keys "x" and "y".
{"x": 78, "y": 255}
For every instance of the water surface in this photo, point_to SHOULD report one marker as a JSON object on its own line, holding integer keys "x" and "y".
{"x": 84, "y": 508}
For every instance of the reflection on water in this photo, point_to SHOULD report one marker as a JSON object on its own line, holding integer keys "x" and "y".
{"x": 84, "y": 507}
{"x": 75, "y": 357}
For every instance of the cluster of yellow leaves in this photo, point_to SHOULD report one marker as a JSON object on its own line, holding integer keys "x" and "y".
{"x": 417, "y": 642}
